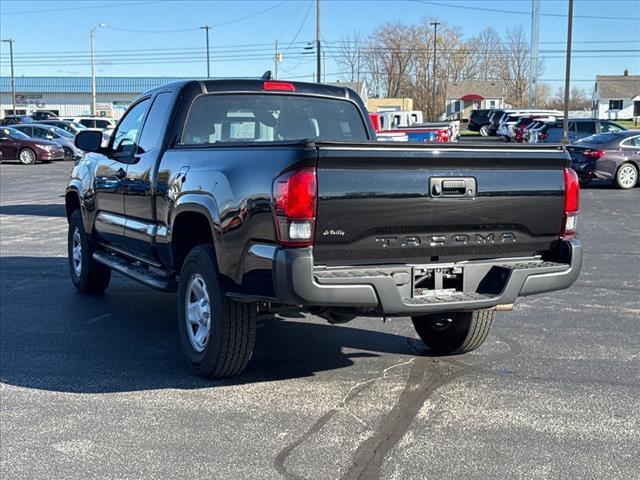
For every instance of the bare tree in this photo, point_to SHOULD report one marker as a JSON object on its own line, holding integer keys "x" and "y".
{"x": 514, "y": 66}
{"x": 486, "y": 45}
{"x": 349, "y": 57}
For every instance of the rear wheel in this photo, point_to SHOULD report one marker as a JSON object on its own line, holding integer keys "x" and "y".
{"x": 217, "y": 334}
{"x": 484, "y": 130}
{"x": 627, "y": 176}
{"x": 27, "y": 156}
{"x": 455, "y": 332}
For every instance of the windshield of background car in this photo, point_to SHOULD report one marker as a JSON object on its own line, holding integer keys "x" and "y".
{"x": 77, "y": 126}
{"x": 271, "y": 118}
{"x": 62, "y": 133}
{"x": 15, "y": 134}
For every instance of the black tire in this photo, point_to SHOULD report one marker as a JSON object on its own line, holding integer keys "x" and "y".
{"x": 626, "y": 176}
{"x": 91, "y": 276}
{"x": 26, "y": 156}
{"x": 68, "y": 153}
{"x": 230, "y": 326}
{"x": 584, "y": 181}
{"x": 454, "y": 333}
{"x": 484, "y": 130}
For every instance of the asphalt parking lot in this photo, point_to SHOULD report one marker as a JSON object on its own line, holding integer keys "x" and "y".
{"x": 96, "y": 387}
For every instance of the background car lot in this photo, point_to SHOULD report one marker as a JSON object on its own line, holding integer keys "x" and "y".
{"x": 97, "y": 387}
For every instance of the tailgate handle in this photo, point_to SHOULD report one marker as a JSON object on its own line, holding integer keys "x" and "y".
{"x": 452, "y": 187}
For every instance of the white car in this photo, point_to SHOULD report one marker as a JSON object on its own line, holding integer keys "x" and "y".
{"x": 101, "y": 123}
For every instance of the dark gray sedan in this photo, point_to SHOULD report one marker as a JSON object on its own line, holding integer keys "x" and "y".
{"x": 614, "y": 156}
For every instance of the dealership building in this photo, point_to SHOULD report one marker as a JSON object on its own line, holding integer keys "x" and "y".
{"x": 71, "y": 96}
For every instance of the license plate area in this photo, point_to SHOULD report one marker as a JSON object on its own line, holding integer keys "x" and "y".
{"x": 437, "y": 281}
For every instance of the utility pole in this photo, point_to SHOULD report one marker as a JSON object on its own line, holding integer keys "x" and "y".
{"x": 13, "y": 77}
{"x": 535, "y": 40}
{"x": 93, "y": 69}
{"x": 567, "y": 76}
{"x": 206, "y": 28}
{"x": 318, "y": 51}
{"x": 435, "y": 53}
{"x": 278, "y": 59}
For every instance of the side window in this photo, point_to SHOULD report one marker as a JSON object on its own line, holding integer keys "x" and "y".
{"x": 633, "y": 142}
{"x": 586, "y": 127}
{"x": 87, "y": 123}
{"x": 154, "y": 126}
{"x": 103, "y": 124}
{"x": 126, "y": 134}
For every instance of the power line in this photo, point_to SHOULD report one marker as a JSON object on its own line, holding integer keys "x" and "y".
{"x": 86, "y": 7}
{"x": 521, "y": 12}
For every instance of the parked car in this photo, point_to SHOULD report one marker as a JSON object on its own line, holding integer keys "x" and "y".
{"x": 71, "y": 127}
{"x": 249, "y": 196}
{"x": 578, "y": 128}
{"x": 610, "y": 155}
{"x": 15, "y": 120}
{"x": 55, "y": 134}
{"x": 101, "y": 123}
{"x": 479, "y": 121}
{"x": 43, "y": 115}
{"x": 494, "y": 121}
{"x": 15, "y": 145}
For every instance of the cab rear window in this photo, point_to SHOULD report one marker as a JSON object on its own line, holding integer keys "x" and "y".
{"x": 271, "y": 118}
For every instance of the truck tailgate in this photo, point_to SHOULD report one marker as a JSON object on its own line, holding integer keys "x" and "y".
{"x": 390, "y": 203}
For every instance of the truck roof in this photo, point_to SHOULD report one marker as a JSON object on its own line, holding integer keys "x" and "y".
{"x": 257, "y": 85}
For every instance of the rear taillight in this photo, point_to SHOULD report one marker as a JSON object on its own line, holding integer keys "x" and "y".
{"x": 295, "y": 197}
{"x": 571, "y": 204}
{"x": 543, "y": 136}
{"x": 442, "y": 136}
{"x": 594, "y": 153}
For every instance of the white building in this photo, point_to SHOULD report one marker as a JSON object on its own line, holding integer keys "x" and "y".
{"x": 464, "y": 97}
{"x": 71, "y": 96}
{"x": 616, "y": 96}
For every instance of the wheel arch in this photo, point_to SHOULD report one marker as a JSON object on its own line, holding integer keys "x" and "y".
{"x": 194, "y": 221}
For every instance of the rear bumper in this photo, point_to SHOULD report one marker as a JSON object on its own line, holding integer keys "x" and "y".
{"x": 387, "y": 290}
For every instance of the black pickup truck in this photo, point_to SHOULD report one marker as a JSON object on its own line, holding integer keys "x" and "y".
{"x": 250, "y": 197}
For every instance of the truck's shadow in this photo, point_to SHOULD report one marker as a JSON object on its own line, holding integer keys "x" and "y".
{"x": 39, "y": 209}
{"x": 56, "y": 339}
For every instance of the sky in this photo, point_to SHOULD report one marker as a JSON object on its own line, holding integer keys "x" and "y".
{"x": 163, "y": 38}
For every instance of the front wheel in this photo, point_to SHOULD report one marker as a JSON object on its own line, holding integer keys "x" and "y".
{"x": 217, "y": 334}
{"x": 87, "y": 275}
{"x": 484, "y": 130}
{"x": 627, "y": 176}
{"x": 27, "y": 156}
{"x": 455, "y": 332}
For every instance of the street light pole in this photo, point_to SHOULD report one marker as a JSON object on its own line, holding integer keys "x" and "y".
{"x": 93, "y": 69}
{"x": 435, "y": 53}
{"x": 567, "y": 76}
{"x": 318, "y": 51}
{"x": 206, "y": 28}
{"x": 13, "y": 77}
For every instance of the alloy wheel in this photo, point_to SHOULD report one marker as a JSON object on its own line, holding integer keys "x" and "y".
{"x": 76, "y": 250}
{"x": 198, "y": 313}
{"x": 627, "y": 176}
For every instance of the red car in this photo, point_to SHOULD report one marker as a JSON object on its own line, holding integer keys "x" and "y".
{"x": 15, "y": 145}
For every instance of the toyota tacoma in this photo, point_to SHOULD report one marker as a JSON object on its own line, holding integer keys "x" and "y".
{"x": 248, "y": 197}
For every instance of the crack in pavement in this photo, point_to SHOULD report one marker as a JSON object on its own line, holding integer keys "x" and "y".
{"x": 424, "y": 379}
{"x": 282, "y": 456}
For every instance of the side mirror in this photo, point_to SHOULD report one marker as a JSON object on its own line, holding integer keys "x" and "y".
{"x": 89, "y": 141}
